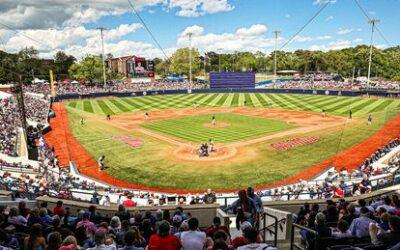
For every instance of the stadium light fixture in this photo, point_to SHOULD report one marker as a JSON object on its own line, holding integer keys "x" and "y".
{"x": 190, "y": 57}
{"x": 102, "y": 54}
{"x": 373, "y": 22}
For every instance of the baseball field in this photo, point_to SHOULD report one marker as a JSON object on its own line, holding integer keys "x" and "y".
{"x": 160, "y": 150}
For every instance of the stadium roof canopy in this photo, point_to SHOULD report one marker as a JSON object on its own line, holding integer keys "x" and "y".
{"x": 288, "y": 71}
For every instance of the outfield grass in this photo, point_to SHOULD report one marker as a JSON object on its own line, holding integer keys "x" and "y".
{"x": 152, "y": 164}
{"x": 239, "y": 127}
{"x": 332, "y": 104}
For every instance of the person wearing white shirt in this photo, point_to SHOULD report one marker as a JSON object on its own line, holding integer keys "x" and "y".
{"x": 193, "y": 239}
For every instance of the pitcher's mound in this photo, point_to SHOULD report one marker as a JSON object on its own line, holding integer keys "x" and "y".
{"x": 217, "y": 125}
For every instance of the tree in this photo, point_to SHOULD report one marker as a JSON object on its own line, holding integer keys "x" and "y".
{"x": 90, "y": 68}
{"x": 180, "y": 62}
{"x": 63, "y": 62}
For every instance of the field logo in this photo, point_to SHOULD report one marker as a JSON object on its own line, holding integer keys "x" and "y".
{"x": 129, "y": 140}
{"x": 294, "y": 142}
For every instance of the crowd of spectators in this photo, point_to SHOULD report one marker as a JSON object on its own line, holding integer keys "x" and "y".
{"x": 343, "y": 183}
{"x": 36, "y": 108}
{"x": 333, "y": 81}
{"x": 376, "y": 224}
{"x": 59, "y": 229}
{"x": 61, "y": 184}
{"x": 9, "y": 123}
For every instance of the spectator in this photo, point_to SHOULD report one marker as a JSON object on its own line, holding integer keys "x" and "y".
{"x": 388, "y": 239}
{"x": 163, "y": 239}
{"x": 69, "y": 243}
{"x": 342, "y": 230}
{"x": 15, "y": 218}
{"x": 215, "y": 227}
{"x": 130, "y": 239}
{"x": 59, "y": 209}
{"x": 359, "y": 227}
{"x": 54, "y": 240}
{"x": 35, "y": 240}
{"x": 87, "y": 224}
{"x": 100, "y": 241}
{"x": 193, "y": 239}
{"x": 251, "y": 236}
{"x": 351, "y": 214}
{"x": 247, "y": 205}
{"x": 34, "y": 218}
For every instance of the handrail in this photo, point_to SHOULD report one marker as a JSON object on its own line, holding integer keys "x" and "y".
{"x": 266, "y": 228}
{"x": 293, "y": 245}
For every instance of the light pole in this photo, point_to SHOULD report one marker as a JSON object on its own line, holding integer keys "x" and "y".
{"x": 373, "y": 23}
{"x": 190, "y": 57}
{"x": 219, "y": 59}
{"x": 276, "y": 32}
{"x": 102, "y": 54}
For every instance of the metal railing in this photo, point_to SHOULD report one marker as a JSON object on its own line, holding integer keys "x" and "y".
{"x": 268, "y": 229}
{"x": 295, "y": 245}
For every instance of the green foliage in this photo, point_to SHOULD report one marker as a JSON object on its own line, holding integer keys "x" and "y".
{"x": 62, "y": 63}
{"x": 386, "y": 63}
{"x": 90, "y": 68}
{"x": 180, "y": 62}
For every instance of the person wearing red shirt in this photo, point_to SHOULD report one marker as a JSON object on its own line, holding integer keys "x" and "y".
{"x": 129, "y": 202}
{"x": 163, "y": 239}
{"x": 59, "y": 209}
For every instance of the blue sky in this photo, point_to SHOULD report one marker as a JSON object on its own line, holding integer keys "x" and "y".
{"x": 243, "y": 25}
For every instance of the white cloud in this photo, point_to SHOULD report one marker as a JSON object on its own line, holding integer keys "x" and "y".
{"x": 195, "y": 8}
{"x": 358, "y": 40}
{"x": 302, "y": 39}
{"x": 342, "y": 31}
{"x": 319, "y": 2}
{"x": 329, "y": 18}
{"x": 381, "y": 46}
{"x": 324, "y": 37}
{"x": 44, "y": 14}
{"x": 334, "y": 45}
{"x": 75, "y": 40}
{"x": 253, "y": 38}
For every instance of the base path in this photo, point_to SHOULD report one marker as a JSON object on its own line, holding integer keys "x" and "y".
{"x": 68, "y": 149}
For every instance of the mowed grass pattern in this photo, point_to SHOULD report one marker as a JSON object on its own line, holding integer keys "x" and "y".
{"x": 240, "y": 127}
{"x": 314, "y": 103}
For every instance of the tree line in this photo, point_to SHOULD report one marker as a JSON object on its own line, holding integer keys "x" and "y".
{"x": 348, "y": 61}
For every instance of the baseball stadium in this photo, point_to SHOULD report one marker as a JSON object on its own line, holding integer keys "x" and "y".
{"x": 199, "y": 125}
{"x": 148, "y": 151}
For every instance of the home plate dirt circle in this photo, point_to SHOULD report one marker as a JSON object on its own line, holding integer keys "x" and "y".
{"x": 191, "y": 154}
{"x": 216, "y": 125}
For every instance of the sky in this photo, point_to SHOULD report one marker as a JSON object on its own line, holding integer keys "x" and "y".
{"x": 217, "y": 25}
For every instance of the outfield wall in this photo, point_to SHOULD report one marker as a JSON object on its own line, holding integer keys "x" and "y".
{"x": 233, "y": 90}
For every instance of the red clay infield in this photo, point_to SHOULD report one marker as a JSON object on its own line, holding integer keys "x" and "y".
{"x": 68, "y": 149}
